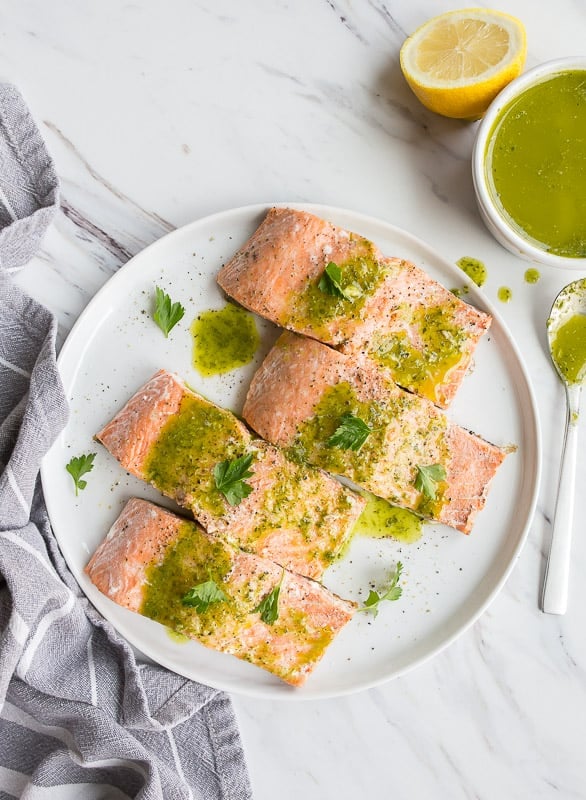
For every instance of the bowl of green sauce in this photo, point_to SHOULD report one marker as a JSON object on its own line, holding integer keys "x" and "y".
{"x": 529, "y": 164}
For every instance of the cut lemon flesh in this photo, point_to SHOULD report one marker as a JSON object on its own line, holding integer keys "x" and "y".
{"x": 458, "y": 62}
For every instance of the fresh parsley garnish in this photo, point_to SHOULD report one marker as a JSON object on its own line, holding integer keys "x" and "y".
{"x": 393, "y": 592}
{"x": 428, "y": 478}
{"x": 167, "y": 314}
{"x": 350, "y": 434}
{"x": 229, "y": 477}
{"x": 78, "y": 466}
{"x": 269, "y": 607}
{"x": 203, "y": 595}
{"x": 330, "y": 283}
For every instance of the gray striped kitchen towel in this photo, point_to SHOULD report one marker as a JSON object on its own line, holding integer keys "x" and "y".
{"x": 79, "y": 718}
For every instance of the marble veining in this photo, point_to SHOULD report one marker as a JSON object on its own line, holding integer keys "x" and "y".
{"x": 158, "y": 114}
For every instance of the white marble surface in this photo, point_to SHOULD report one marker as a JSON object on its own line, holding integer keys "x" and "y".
{"x": 159, "y": 113}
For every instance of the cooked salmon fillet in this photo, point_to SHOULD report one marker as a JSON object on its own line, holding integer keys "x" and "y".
{"x": 151, "y": 559}
{"x": 172, "y": 437}
{"x": 386, "y": 308}
{"x": 300, "y": 399}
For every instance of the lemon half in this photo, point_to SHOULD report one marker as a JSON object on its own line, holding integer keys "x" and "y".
{"x": 458, "y": 62}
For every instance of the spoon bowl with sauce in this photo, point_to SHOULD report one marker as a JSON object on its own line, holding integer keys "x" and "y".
{"x": 566, "y": 333}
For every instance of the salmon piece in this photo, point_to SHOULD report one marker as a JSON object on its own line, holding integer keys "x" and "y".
{"x": 302, "y": 413}
{"x": 151, "y": 559}
{"x": 173, "y": 438}
{"x": 394, "y": 312}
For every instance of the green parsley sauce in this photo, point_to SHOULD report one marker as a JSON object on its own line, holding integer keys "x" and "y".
{"x": 504, "y": 294}
{"x": 223, "y": 340}
{"x": 569, "y": 349}
{"x": 532, "y": 275}
{"x": 474, "y": 268}
{"x": 289, "y": 624}
{"x": 311, "y": 442}
{"x": 193, "y": 558}
{"x": 423, "y": 368}
{"x": 536, "y": 164}
{"x": 181, "y": 463}
{"x": 189, "y": 446}
{"x": 315, "y": 308}
{"x": 381, "y": 519}
{"x": 297, "y": 498}
{"x": 175, "y": 636}
{"x": 430, "y": 508}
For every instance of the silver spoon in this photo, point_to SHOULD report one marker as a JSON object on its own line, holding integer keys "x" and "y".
{"x": 569, "y": 304}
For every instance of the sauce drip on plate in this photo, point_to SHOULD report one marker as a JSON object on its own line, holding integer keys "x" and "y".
{"x": 474, "y": 268}
{"x": 380, "y": 519}
{"x": 223, "y": 340}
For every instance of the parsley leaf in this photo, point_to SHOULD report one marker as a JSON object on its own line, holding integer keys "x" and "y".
{"x": 229, "y": 478}
{"x": 330, "y": 283}
{"x": 167, "y": 314}
{"x": 427, "y": 479}
{"x": 350, "y": 434}
{"x": 269, "y": 607}
{"x": 393, "y": 592}
{"x": 79, "y": 466}
{"x": 203, "y": 595}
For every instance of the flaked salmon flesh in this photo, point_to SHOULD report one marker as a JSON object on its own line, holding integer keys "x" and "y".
{"x": 151, "y": 559}
{"x": 170, "y": 436}
{"x": 304, "y": 390}
{"x": 386, "y": 308}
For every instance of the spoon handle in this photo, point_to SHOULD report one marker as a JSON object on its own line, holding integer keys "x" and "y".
{"x": 555, "y": 587}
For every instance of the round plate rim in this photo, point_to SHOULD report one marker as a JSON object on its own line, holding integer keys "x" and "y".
{"x": 533, "y": 425}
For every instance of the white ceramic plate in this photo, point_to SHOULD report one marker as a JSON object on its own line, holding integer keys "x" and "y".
{"x": 448, "y": 578}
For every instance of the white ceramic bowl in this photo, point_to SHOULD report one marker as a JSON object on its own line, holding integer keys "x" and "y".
{"x": 497, "y": 223}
